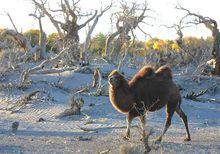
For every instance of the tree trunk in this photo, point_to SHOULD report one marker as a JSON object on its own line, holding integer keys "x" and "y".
{"x": 216, "y": 51}
{"x": 108, "y": 44}
{"x": 116, "y": 50}
{"x": 41, "y": 54}
{"x": 71, "y": 40}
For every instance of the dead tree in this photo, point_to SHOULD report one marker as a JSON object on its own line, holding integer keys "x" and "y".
{"x": 12, "y": 22}
{"x": 23, "y": 42}
{"x": 42, "y": 37}
{"x": 39, "y": 50}
{"x": 212, "y": 25}
{"x": 84, "y": 54}
{"x": 178, "y": 27}
{"x": 67, "y": 30}
{"x": 126, "y": 52}
{"x": 127, "y": 19}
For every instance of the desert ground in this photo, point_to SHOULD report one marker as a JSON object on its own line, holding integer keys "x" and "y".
{"x": 99, "y": 128}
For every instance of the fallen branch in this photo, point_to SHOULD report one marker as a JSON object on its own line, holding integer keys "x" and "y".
{"x": 193, "y": 96}
{"x": 82, "y": 90}
{"x": 10, "y": 86}
{"x": 210, "y": 100}
{"x": 20, "y": 102}
{"x": 104, "y": 151}
{"x": 52, "y": 71}
{"x": 75, "y": 108}
{"x": 25, "y": 74}
{"x": 85, "y": 70}
{"x": 84, "y": 138}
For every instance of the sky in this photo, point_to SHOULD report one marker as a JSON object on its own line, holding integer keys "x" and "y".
{"x": 162, "y": 11}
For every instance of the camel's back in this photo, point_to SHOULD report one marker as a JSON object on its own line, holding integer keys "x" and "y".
{"x": 164, "y": 73}
{"x": 156, "y": 92}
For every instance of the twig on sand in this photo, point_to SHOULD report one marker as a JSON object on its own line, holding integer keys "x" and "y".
{"x": 88, "y": 129}
{"x": 104, "y": 151}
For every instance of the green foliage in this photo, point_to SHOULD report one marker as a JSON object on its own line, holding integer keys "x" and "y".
{"x": 1, "y": 37}
{"x": 52, "y": 40}
{"x": 138, "y": 49}
{"x": 1, "y": 30}
{"x": 209, "y": 41}
{"x": 33, "y": 36}
{"x": 161, "y": 45}
{"x": 97, "y": 45}
{"x": 195, "y": 43}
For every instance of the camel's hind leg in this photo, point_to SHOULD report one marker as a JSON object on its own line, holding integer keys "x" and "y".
{"x": 169, "y": 115}
{"x": 182, "y": 115}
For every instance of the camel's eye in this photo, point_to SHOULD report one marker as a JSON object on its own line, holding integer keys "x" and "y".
{"x": 113, "y": 80}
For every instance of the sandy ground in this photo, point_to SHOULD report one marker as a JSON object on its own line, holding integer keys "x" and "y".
{"x": 65, "y": 136}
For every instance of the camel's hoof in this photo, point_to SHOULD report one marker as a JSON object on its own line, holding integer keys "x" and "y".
{"x": 158, "y": 140}
{"x": 143, "y": 138}
{"x": 187, "y": 139}
{"x": 148, "y": 150}
{"x": 126, "y": 137}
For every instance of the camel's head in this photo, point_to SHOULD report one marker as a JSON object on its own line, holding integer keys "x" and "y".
{"x": 115, "y": 78}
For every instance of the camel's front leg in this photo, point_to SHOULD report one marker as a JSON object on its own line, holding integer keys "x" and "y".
{"x": 128, "y": 120}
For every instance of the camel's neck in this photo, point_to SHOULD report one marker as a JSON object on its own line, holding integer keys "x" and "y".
{"x": 121, "y": 98}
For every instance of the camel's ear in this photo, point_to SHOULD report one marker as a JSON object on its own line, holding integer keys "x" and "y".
{"x": 114, "y": 72}
{"x": 114, "y": 79}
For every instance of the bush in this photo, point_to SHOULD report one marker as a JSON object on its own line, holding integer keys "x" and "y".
{"x": 52, "y": 41}
{"x": 33, "y": 36}
{"x": 97, "y": 46}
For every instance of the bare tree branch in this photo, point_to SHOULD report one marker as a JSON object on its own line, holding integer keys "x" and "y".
{"x": 128, "y": 18}
{"x": 41, "y": 6}
{"x": 42, "y": 37}
{"x": 212, "y": 25}
{"x": 12, "y": 22}
{"x": 144, "y": 32}
{"x": 207, "y": 21}
{"x": 87, "y": 21}
{"x": 126, "y": 51}
{"x": 25, "y": 74}
{"x": 23, "y": 43}
{"x": 88, "y": 37}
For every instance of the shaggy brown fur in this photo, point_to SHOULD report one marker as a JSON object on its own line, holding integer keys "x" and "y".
{"x": 164, "y": 72}
{"x": 148, "y": 90}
